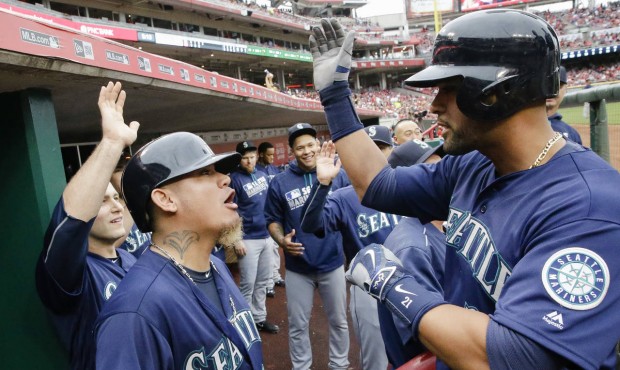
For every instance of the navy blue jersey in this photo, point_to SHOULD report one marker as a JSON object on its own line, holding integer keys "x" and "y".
{"x": 326, "y": 213}
{"x": 136, "y": 241}
{"x": 250, "y": 196}
{"x": 536, "y": 248}
{"x": 422, "y": 251}
{"x": 564, "y": 128}
{"x": 269, "y": 169}
{"x": 287, "y": 195}
{"x": 74, "y": 284}
{"x": 159, "y": 319}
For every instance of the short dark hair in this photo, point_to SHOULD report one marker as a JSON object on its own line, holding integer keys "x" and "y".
{"x": 399, "y": 122}
{"x": 262, "y": 148}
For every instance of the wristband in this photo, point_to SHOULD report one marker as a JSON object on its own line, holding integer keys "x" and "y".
{"x": 408, "y": 300}
{"x": 342, "y": 119}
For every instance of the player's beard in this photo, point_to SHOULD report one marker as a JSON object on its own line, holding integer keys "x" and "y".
{"x": 230, "y": 235}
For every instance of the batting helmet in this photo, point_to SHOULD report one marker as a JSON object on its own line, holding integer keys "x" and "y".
{"x": 165, "y": 159}
{"x": 507, "y": 59}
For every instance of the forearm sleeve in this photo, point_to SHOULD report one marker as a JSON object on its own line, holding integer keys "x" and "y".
{"x": 339, "y": 110}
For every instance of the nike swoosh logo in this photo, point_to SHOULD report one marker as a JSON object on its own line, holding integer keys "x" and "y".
{"x": 372, "y": 256}
{"x": 399, "y": 289}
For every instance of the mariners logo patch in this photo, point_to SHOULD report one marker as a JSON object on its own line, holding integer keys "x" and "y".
{"x": 576, "y": 278}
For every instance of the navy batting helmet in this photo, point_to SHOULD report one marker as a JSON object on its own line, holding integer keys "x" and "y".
{"x": 507, "y": 59}
{"x": 165, "y": 159}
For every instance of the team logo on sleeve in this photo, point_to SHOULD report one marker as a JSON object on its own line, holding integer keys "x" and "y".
{"x": 576, "y": 278}
{"x": 110, "y": 287}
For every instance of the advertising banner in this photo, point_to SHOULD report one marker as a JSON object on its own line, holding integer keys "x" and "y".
{"x": 93, "y": 29}
{"x": 419, "y": 7}
{"x": 275, "y": 53}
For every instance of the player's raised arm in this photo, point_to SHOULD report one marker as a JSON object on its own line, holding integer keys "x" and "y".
{"x": 84, "y": 193}
{"x": 331, "y": 50}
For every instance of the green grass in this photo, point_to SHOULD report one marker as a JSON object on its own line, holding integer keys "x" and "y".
{"x": 574, "y": 115}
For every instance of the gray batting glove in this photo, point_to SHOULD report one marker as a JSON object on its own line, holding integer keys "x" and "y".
{"x": 331, "y": 50}
{"x": 375, "y": 269}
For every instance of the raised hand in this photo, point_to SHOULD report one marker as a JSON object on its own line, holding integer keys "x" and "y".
{"x": 331, "y": 50}
{"x": 111, "y": 103}
{"x": 327, "y": 163}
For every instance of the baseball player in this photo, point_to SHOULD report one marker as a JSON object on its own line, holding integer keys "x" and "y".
{"x": 255, "y": 250}
{"x": 179, "y": 307}
{"x": 266, "y": 155}
{"x": 79, "y": 267}
{"x": 553, "y": 104}
{"x": 421, "y": 248}
{"x": 135, "y": 241}
{"x": 406, "y": 130}
{"x": 311, "y": 262}
{"x": 342, "y": 212}
{"x": 529, "y": 271}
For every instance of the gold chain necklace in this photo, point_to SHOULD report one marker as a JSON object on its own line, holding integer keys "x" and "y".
{"x": 546, "y": 149}
{"x": 184, "y": 271}
{"x": 177, "y": 264}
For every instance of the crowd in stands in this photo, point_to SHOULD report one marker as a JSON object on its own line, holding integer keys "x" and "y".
{"x": 602, "y": 24}
{"x": 393, "y": 103}
{"x": 593, "y": 73}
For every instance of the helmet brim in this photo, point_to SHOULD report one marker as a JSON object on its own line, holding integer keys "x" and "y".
{"x": 433, "y": 75}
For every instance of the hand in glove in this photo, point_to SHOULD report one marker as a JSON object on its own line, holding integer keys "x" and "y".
{"x": 380, "y": 273}
{"x": 331, "y": 50}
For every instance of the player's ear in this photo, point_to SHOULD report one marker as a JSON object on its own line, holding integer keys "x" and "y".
{"x": 163, "y": 199}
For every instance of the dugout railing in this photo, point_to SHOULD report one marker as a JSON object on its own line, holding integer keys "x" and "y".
{"x": 599, "y": 125}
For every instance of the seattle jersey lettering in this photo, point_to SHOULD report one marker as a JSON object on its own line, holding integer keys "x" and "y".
{"x": 472, "y": 240}
{"x": 297, "y": 197}
{"x": 370, "y": 224}
{"x": 226, "y": 355}
{"x": 135, "y": 239}
{"x": 255, "y": 187}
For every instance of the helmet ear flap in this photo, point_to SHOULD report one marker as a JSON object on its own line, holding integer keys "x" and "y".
{"x": 479, "y": 100}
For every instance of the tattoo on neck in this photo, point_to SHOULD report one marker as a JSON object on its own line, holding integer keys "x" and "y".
{"x": 181, "y": 240}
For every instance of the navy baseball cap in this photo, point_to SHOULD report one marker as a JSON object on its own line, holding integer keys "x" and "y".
{"x": 563, "y": 77}
{"x": 299, "y": 129}
{"x": 245, "y": 146}
{"x": 379, "y": 134}
{"x": 413, "y": 152}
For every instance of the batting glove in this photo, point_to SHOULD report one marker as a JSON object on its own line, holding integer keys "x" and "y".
{"x": 331, "y": 50}
{"x": 375, "y": 269}
{"x": 380, "y": 273}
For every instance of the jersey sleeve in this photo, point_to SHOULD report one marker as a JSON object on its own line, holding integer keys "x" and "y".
{"x": 128, "y": 341}
{"x": 507, "y": 349}
{"x": 312, "y": 215}
{"x": 430, "y": 184}
{"x": 60, "y": 269}
{"x": 563, "y": 292}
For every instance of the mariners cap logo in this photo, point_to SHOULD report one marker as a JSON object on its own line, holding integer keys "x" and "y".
{"x": 372, "y": 132}
{"x": 300, "y": 126}
{"x": 576, "y": 278}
